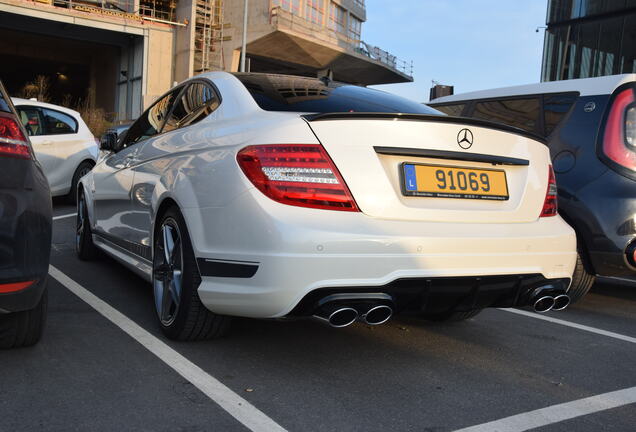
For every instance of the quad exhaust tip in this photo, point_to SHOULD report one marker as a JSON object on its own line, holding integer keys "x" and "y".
{"x": 548, "y": 298}
{"x": 377, "y": 315}
{"x": 544, "y": 304}
{"x": 342, "y": 317}
{"x": 561, "y": 302}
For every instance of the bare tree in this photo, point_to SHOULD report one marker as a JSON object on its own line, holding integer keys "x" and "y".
{"x": 38, "y": 88}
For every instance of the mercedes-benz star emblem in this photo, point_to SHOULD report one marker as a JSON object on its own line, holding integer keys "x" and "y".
{"x": 465, "y": 138}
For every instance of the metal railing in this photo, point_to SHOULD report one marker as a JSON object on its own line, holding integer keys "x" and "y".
{"x": 110, "y": 5}
{"x": 287, "y": 20}
{"x": 117, "y": 8}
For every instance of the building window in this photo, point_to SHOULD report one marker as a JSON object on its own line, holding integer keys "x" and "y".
{"x": 609, "y": 47}
{"x": 292, "y": 6}
{"x": 337, "y": 18}
{"x": 315, "y": 11}
{"x": 359, "y": 3}
{"x": 590, "y": 48}
{"x": 355, "y": 28}
{"x": 628, "y": 54}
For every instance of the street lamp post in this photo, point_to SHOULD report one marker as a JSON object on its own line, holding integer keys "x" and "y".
{"x": 243, "y": 47}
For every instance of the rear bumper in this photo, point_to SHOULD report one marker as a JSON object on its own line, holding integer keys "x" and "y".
{"x": 22, "y": 300}
{"x": 604, "y": 215}
{"x": 25, "y": 232}
{"x": 262, "y": 258}
{"x": 442, "y": 295}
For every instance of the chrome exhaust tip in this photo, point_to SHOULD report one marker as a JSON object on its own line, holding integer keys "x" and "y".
{"x": 377, "y": 315}
{"x": 340, "y": 317}
{"x": 561, "y": 302}
{"x": 544, "y": 304}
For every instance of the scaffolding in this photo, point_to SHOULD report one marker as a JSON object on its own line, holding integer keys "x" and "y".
{"x": 208, "y": 36}
{"x": 158, "y": 9}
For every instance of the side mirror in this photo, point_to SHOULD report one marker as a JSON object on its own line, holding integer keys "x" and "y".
{"x": 108, "y": 141}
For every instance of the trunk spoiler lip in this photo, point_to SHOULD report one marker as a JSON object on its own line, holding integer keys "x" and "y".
{"x": 444, "y": 154}
{"x": 468, "y": 121}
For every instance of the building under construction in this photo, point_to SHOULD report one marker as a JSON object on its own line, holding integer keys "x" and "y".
{"x": 125, "y": 53}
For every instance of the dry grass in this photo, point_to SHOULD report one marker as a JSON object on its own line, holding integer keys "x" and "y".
{"x": 38, "y": 88}
{"x": 95, "y": 118}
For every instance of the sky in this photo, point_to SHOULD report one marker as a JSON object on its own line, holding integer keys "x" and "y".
{"x": 470, "y": 44}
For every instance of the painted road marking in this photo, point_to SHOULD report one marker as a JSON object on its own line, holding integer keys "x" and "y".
{"x": 558, "y": 413}
{"x": 236, "y": 406}
{"x": 64, "y": 216}
{"x": 571, "y": 324}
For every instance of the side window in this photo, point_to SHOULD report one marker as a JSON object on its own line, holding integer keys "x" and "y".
{"x": 31, "y": 119}
{"x": 58, "y": 123}
{"x": 522, "y": 113}
{"x": 194, "y": 104}
{"x": 555, "y": 107}
{"x": 151, "y": 121}
{"x": 451, "y": 110}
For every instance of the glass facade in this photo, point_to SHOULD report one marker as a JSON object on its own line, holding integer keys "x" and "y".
{"x": 337, "y": 18}
{"x": 355, "y": 28}
{"x": 589, "y": 38}
{"x": 314, "y": 11}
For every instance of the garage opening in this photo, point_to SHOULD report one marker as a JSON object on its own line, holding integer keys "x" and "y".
{"x": 78, "y": 66}
{"x": 71, "y": 69}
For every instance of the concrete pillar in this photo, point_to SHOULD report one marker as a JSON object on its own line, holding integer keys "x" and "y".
{"x": 236, "y": 60}
{"x": 184, "y": 40}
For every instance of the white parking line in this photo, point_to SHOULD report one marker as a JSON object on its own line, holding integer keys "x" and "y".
{"x": 571, "y": 324}
{"x": 236, "y": 406}
{"x": 558, "y": 413}
{"x": 64, "y": 216}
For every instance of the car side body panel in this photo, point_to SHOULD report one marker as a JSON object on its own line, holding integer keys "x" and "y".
{"x": 61, "y": 154}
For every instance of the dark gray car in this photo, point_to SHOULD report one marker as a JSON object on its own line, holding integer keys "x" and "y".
{"x": 25, "y": 234}
{"x": 590, "y": 127}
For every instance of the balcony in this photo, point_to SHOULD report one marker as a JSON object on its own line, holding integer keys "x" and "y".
{"x": 297, "y": 41}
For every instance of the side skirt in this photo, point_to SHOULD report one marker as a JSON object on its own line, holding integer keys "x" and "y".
{"x": 137, "y": 264}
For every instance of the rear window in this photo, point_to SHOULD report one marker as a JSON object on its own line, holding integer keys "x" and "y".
{"x": 451, "y": 110}
{"x": 522, "y": 113}
{"x": 312, "y": 95}
{"x": 555, "y": 107}
{"x": 58, "y": 123}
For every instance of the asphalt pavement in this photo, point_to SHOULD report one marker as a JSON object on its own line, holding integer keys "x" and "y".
{"x": 89, "y": 374}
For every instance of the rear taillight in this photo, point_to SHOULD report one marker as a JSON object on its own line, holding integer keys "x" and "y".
{"x": 550, "y": 202}
{"x": 630, "y": 253}
{"x": 296, "y": 174}
{"x": 15, "y": 286}
{"x": 12, "y": 141}
{"x": 619, "y": 139}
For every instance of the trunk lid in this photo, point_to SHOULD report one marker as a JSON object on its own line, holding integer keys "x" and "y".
{"x": 370, "y": 151}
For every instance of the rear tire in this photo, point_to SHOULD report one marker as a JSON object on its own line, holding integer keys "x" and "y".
{"x": 451, "y": 316}
{"x": 83, "y": 169}
{"x": 84, "y": 246}
{"x": 22, "y": 329}
{"x": 175, "y": 280}
{"x": 582, "y": 281}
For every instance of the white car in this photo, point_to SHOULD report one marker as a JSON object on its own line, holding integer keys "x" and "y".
{"x": 63, "y": 144}
{"x": 272, "y": 196}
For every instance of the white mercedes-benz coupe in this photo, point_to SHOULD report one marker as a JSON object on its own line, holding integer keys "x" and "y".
{"x": 272, "y": 196}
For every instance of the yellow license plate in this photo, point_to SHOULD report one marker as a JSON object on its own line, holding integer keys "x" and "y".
{"x": 453, "y": 182}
